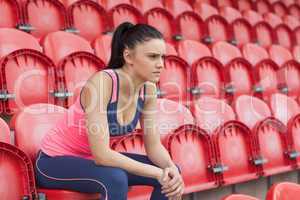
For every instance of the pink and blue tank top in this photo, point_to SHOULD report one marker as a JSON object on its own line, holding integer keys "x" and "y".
{"x": 69, "y": 135}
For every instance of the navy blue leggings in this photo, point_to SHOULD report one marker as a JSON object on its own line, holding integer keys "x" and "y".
{"x": 83, "y": 175}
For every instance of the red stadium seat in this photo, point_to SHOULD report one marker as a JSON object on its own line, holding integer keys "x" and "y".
{"x": 124, "y": 13}
{"x": 294, "y": 10}
{"x": 16, "y": 170}
{"x": 176, "y": 7}
{"x": 252, "y": 17}
{"x": 272, "y": 19}
{"x": 173, "y": 81}
{"x": 242, "y": 32}
{"x": 5, "y": 132}
{"x": 207, "y": 78}
{"x": 289, "y": 70}
{"x": 279, "y": 8}
{"x": 239, "y": 197}
{"x": 284, "y": 36}
{"x": 297, "y": 35}
{"x": 264, "y": 34}
{"x": 211, "y": 113}
{"x": 41, "y": 118}
{"x": 254, "y": 53}
{"x": 221, "y": 3}
{"x": 262, "y": 6}
{"x": 88, "y": 18}
{"x": 10, "y": 14}
{"x": 225, "y": 52}
{"x": 268, "y": 132}
{"x": 190, "y": 26}
{"x": 12, "y": 40}
{"x": 58, "y": 45}
{"x": 44, "y": 16}
{"x": 144, "y": 6}
{"x": 191, "y": 50}
{"x": 217, "y": 29}
{"x": 162, "y": 20}
{"x": 244, "y": 5}
{"x": 76, "y": 69}
{"x": 191, "y": 146}
{"x": 19, "y": 88}
{"x": 170, "y": 116}
{"x": 287, "y": 3}
{"x": 108, "y": 4}
{"x": 229, "y": 13}
{"x": 102, "y": 46}
{"x": 291, "y": 21}
{"x": 205, "y": 10}
{"x": 284, "y": 190}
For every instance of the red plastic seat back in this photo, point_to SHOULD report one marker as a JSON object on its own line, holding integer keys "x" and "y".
{"x": 239, "y": 197}
{"x": 41, "y": 117}
{"x": 12, "y": 40}
{"x": 205, "y": 10}
{"x": 284, "y": 190}
{"x": 191, "y": 50}
{"x": 207, "y": 75}
{"x": 229, "y": 13}
{"x": 60, "y": 44}
{"x": 108, "y": 4}
{"x": 144, "y": 6}
{"x": 244, "y": 5}
{"x": 294, "y": 10}
{"x": 242, "y": 31}
{"x": 254, "y": 53}
{"x": 102, "y": 46}
{"x": 190, "y": 19}
{"x": 21, "y": 71}
{"x": 251, "y": 110}
{"x": 162, "y": 20}
{"x": 297, "y": 35}
{"x": 264, "y": 34}
{"x": 217, "y": 28}
{"x": 211, "y": 113}
{"x": 296, "y": 53}
{"x": 170, "y": 116}
{"x": 77, "y": 69}
{"x": 190, "y": 147}
{"x": 173, "y": 82}
{"x": 287, "y": 3}
{"x": 16, "y": 171}
{"x": 88, "y": 18}
{"x": 10, "y": 15}
{"x": 170, "y": 49}
{"x": 284, "y": 36}
{"x": 279, "y": 54}
{"x": 252, "y": 17}
{"x": 279, "y": 8}
{"x": 45, "y": 16}
{"x": 124, "y": 13}
{"x": 176, "y": 7}
{"x": 132, "y": 143}
{"x": 225, "y": 52}
{"x": 283, "y": 107}
{"x": 5, "y": 132}
{"x": 222, "y": 3}
{"x": 291, "y": 21}
{"x": 262, "y": 6}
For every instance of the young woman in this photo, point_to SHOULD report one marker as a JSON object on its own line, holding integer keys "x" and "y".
{"x": 76, "y": 153}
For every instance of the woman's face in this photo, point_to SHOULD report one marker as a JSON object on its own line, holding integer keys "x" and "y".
{"x": 147, "y": 59}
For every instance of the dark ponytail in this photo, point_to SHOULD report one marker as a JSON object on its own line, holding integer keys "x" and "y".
{"x": 129, "y": 35}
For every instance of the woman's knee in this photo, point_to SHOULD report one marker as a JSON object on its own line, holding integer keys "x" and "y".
{"x": 118, "y": 179}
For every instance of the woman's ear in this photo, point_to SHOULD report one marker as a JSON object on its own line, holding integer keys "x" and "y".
{"x": 127, "y": 55}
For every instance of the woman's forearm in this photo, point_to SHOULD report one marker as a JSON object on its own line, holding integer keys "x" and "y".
{"x": 160, "y": 156}
{"x": 115, "y": 159}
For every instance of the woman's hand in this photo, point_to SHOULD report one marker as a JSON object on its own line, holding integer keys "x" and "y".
{"x": 174, "y": 187}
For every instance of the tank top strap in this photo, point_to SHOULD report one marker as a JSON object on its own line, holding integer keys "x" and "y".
{"x": 115, "y": 84}
{"x": 143, "y": 92}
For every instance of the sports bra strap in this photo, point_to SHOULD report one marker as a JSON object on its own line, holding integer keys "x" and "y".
{"x": 114, "y": 78}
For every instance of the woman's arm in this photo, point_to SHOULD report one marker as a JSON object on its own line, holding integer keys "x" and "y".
{"x": 94, "y": 99}
{"x": 156, "y": 152}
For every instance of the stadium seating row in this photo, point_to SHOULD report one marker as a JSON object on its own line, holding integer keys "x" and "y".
{"x": 263, "y": 137}
{"x": 202, "y": 23}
